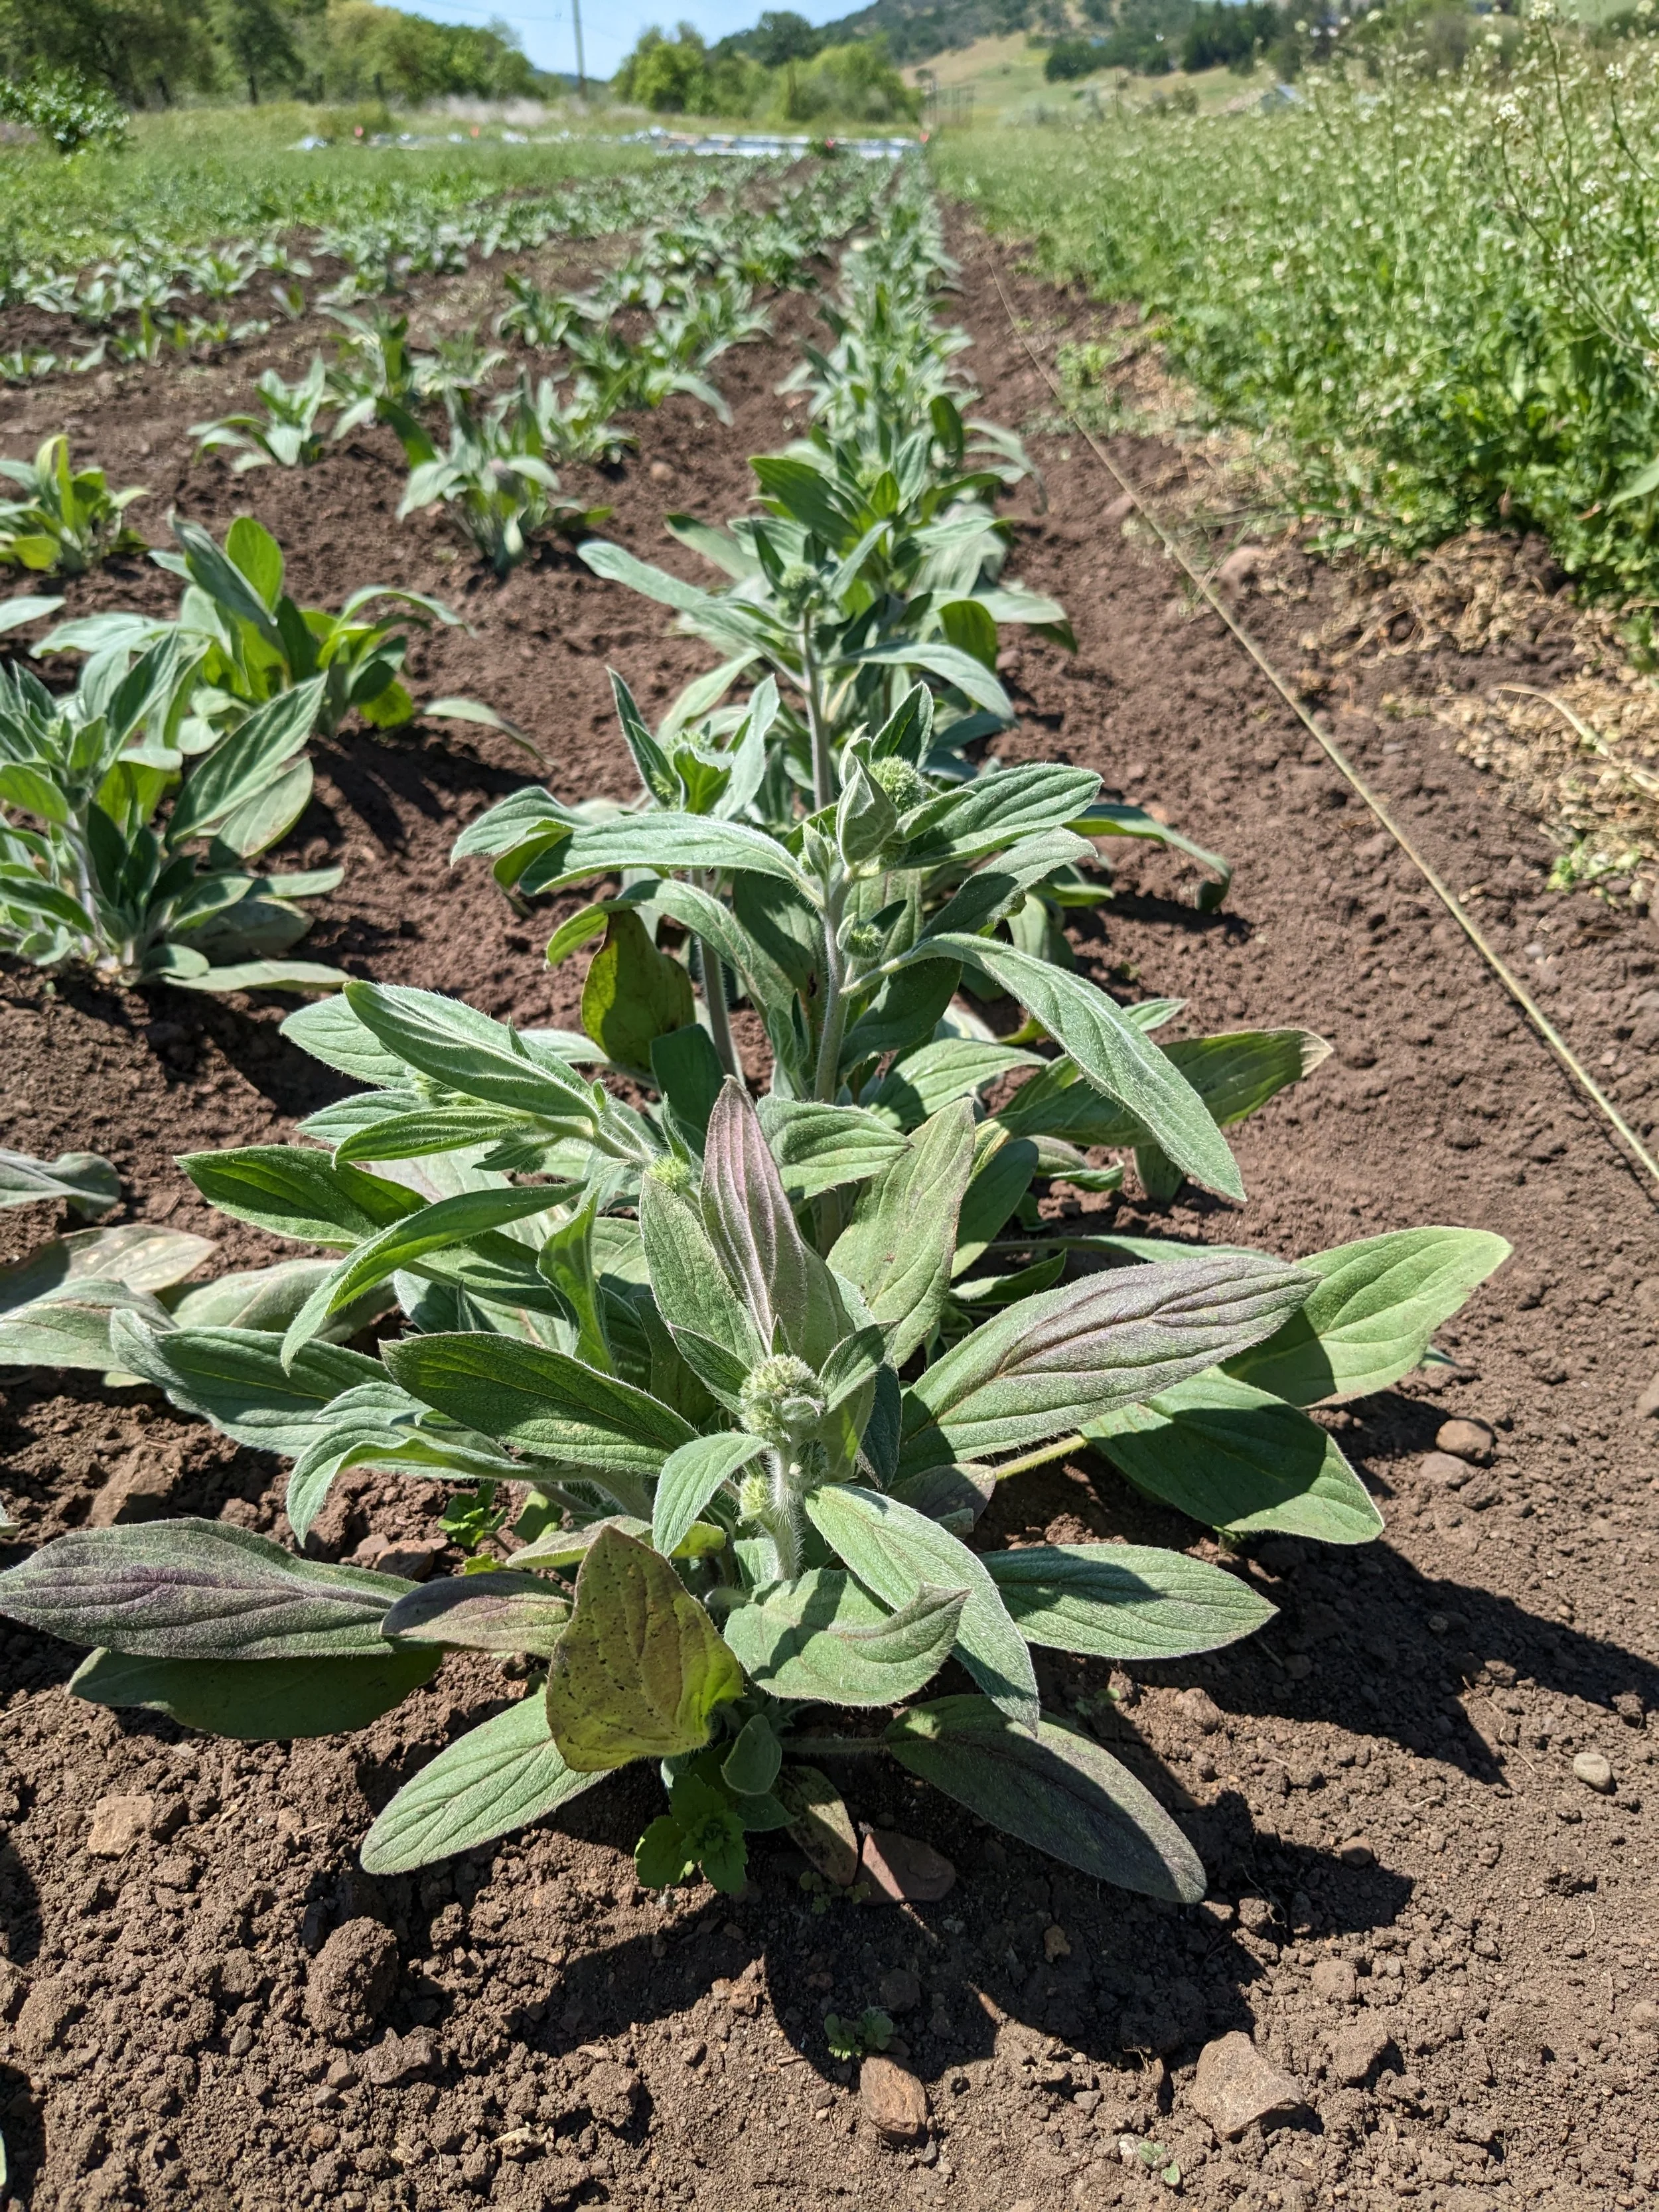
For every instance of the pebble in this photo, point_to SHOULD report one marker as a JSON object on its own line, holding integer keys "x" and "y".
{"x": 413, "y": 1560}
{"x": 120, "y": 1823}
{"x": 1356, "y": 2049}
{"x": 1648, "y": 1403}
{"x": 660, "y": 472}
{"x": 351, "y": 1980}
{"x": 1356, "y": 1852}
{"x": 1445, "y": 1470}
{"x": 47, "y": 2011}
{"x": 894, "y": 2101}
{"x": 1201, "y": 1708}
{"x": 1056, "y": 1944}
{"x": 1466, "y": 1439}
{"x": 1235, "y": 2087}
{"x": 1336, "y": 1980}
{"x": 903, "y": 1869}
{"x": 1593, "y": 1770}
{"x": 899, "y": 1990}
{"x": 397, "y": 2058}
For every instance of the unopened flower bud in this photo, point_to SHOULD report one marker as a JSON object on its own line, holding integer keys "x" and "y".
{"x": 781, "y": 1400}
{"x": 904, "y": 784}
{"x": 671, "y": 1172}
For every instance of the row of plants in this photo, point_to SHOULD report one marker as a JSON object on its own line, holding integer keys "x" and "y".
{"x": 695, "y": 282}
{"x": 128, "y": 300}
{"x": 1428, "y": 292}
{"x": 497, "y": 470}
{"x": 737, "y": 1374}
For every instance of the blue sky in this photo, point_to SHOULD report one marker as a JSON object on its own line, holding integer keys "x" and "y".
{"x": 610, "y": 27}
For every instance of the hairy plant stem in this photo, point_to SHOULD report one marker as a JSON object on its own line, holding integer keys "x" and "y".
{"x": 825, "y": 793}
{"x": 714, "y": 991}
{"x": 826, "y": 1078}
{"x": 1041, "y": 1458}
{"x": 784, "y": 1517}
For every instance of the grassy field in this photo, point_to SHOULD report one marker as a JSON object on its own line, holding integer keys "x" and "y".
{"x": 1001, "y": 81}
{"x": 1403, "y": 283}
{"x": 194, "y": 175}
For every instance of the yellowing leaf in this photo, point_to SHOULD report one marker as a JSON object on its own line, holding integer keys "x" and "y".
{"x": 641, "y": 1666}
{"x": 633, "y": 993}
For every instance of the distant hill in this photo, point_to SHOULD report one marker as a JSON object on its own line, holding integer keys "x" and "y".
{"x": 915, "y": 30}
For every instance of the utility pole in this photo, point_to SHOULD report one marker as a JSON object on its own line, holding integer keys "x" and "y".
{"x": 581, "y": 69}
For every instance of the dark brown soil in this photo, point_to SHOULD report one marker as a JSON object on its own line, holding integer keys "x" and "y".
{"x": 1385, "y": 1780}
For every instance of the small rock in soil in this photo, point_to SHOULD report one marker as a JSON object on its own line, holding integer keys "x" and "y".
{"x": 1235, "y": 2087}
{"x": 905, "y": 1869}
{"x": 899, "y": 1991}
{"x": 398, "y": 2058}
{"x": 1357, "y": 2048}
{"x": 610, "y": 2092}
{"x": 1336, "y": 1980}
{"x": 1201, "y": 1708}
{"x": 895, "y": 2103}
{"x": 1356, "y": 1852}
{"x": 1445, "y": 1470}
{"x": 351, "y": 1982}
{"x": 1593, "y": 1770}
{"x": 413, "y": 1561}
{"x": 119, "y": 1823}
{"x": 1465, "y": 1439}
{"x": 1648, "y": 1403}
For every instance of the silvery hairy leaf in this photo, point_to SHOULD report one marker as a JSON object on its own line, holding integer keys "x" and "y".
{"x": 1052, "y": 1788}
{"x": 1070, "y": 1355}
{"x": 896, "y": 1553}
{"x": 820, "y": 1639}
{"x": 1238, "y": 1459}
{"x": 198, "y": 1590}
{"x": 499, "y": 1776}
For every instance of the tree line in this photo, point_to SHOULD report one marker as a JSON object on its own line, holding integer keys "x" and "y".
{"x": 149, "y": 53}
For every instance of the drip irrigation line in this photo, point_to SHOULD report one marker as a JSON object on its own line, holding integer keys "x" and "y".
{"x": 1202, "y": 583}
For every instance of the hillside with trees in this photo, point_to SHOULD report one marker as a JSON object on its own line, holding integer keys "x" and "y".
{"x": 151, "y": 53}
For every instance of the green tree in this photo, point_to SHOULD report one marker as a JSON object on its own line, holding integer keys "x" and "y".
{"x": 783, "y": 40}
{"x": 259, "y": 42}
{"x": 142, "y": 49}
{"x": 669, "y": 75}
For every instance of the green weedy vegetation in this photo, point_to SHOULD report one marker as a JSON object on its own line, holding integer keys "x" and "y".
{"x": 1428, "y": 293}
{"x": 95, "y": 868}
{"x": 242, "y": 639}
{"x": 68, "y": 519}
{"x": 189, "y": 178}
{"x": 744, "y": 1374}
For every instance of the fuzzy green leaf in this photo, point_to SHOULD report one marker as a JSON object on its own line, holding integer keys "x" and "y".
{"x": 1124, "y": 1600}
{"x": 897, "y": 1553}
{"x": 198, "y": 1590}
{"x": 259, "y": 1700}
{"x": 1237, "y": 1458}
{"x": 898, "y": 1247}
{"x": 1372, "y": 1313}
{"x": 1053, "y": 1788}
{"x": 1069, "y": 1355}
{"x": 822, "y": 1640}
{"x": 641, "y": 1667}
{"x": 499, "y": 1776}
